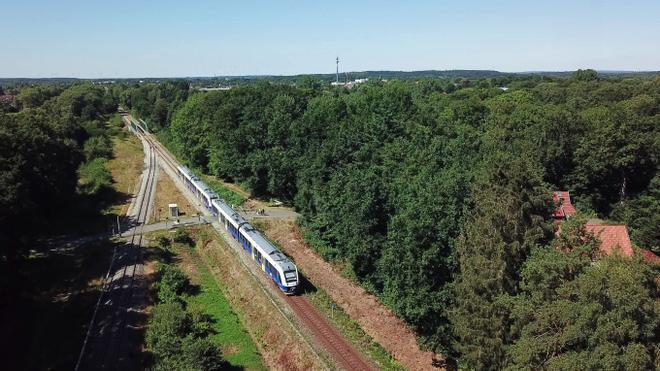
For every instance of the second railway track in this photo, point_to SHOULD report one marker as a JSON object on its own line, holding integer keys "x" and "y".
{"x": 111, "y": 342}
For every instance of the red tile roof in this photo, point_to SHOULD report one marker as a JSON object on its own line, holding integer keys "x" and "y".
{"x": 565, "y": 208}
{"x": 650, "y": 257}
{"x": 7, "y": 98}
{"x": 613, "y": 238}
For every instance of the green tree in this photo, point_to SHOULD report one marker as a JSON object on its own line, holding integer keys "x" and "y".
{"x": 38, "y": 165}
{"x": 97, "y": 147}
{"x": 168, "y": 325}
{"x": 171, "y": 284}
{"x": 620, "y": 155}
{"x": 585, "y": 75}
{"x": 508, "y": 219}
{"x": 33, "y": 97}
{"x": 576, "y": 313}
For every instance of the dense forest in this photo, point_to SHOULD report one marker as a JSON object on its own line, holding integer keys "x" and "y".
{"x": 55, "y": 142}
{"x": 434, "y": 193}
{"x": 55, "y": 187}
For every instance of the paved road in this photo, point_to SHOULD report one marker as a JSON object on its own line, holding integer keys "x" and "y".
{"x": 183, "y": 222}
{"x": 269, "y": 213}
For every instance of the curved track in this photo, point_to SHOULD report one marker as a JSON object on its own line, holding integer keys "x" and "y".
{"x": 326, "y": 335}
{"x": 114, "y": 338}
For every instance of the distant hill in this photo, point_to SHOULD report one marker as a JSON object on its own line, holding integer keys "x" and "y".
{"x": 450, "y": 74}
{"x": 468, "y": 74}
{"x": 610, "y": 73}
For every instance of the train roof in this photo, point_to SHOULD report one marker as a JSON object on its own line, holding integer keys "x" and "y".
{"x": 227, "y": 210}
{"x": 205, "y": 188}
{"x": 187, "y": 172}
{"x": 268, "y": 249}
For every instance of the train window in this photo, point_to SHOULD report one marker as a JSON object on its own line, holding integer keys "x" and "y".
{"x": 290, "y": 276}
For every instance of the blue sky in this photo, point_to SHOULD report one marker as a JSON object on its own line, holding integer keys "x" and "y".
{"x": 208, "y": 38}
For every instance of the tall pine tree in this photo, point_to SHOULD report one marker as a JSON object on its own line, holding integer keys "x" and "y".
{"x": 508, "y": 217}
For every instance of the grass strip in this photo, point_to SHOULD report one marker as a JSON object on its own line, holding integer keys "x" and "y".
{"x": 236, "y": 344}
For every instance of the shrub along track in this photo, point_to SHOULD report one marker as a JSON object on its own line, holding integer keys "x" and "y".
{"x": 341, "y": 351}
{"x": 114, "y": 335}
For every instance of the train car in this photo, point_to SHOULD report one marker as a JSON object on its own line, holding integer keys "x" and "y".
{"x": 203, "y": 192}
{"x": 187, "y": 176}
{"x": 276, "y": 265}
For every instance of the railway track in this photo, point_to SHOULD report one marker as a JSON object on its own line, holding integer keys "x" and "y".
{"x": 113, "y": 335}
{"x": 343, "y": 353}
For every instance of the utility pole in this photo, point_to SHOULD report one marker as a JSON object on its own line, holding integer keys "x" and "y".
{"x": 337, "y": 76}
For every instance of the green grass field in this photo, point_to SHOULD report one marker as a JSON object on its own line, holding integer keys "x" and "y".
{"x": 236, "y": 344}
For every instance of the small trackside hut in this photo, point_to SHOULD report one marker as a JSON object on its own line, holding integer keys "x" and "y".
{"x": 277, "y": 266}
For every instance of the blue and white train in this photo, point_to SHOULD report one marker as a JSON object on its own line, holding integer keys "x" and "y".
{"x": 277, "y": 266}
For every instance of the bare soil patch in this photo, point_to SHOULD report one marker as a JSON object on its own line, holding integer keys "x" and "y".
{"x": 374, "y": 317}
{"x": 168, "y": 193}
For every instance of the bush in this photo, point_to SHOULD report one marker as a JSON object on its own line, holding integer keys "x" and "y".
{"x": 93, "y": 128}
{"x": 182, "y": 236}
{"x": 173, "y": 283}
{"x": 97, "y": 147}
{"x": 200, "y": 354}
{"x": 202, "y": 323}
{"x": 164, "y": 243}
{"x": 174, "y": 339}
{"x": 116, "y": 121}
{"x": 94, "y": 176}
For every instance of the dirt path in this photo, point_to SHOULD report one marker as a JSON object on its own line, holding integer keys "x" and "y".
{"x": 375, "y": 319}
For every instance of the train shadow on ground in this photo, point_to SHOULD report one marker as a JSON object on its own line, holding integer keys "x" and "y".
{"x": 305, "y": 286}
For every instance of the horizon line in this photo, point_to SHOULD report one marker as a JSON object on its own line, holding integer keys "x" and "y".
{"x": 616, "y": 71}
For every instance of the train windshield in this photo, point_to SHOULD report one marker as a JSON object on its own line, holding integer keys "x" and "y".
{"x": 290, "y": 276}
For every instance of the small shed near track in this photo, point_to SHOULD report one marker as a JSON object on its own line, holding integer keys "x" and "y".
{"x": 174, "y": 210}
